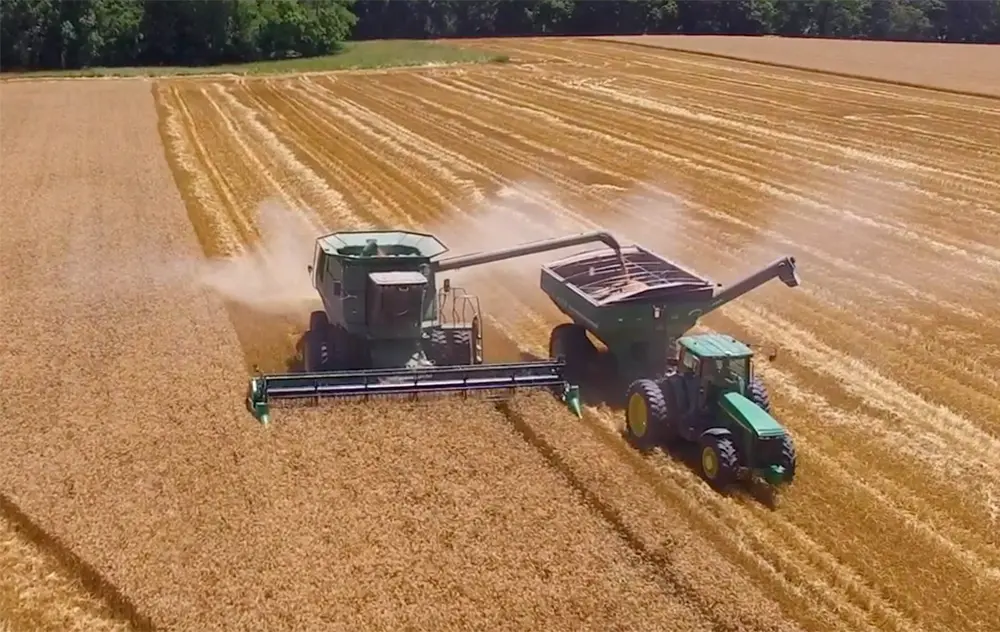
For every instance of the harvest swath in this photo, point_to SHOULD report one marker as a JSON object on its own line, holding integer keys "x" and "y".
{"x": 887, "y": 376}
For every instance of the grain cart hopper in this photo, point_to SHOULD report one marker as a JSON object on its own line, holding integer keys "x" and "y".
{"x": 696, "y": 388}
{"x": 385, "y": 329}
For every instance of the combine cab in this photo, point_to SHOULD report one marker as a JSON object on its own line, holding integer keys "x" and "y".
{"x": 695, "y": 388}
{"x": 385, "y": 328}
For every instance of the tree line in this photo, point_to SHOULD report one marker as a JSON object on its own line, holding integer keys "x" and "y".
{"x": 51, "y": 34}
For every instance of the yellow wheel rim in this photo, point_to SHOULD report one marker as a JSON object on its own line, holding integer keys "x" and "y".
{"x": 637, "y": 415}
{"x": 710, "y": 462}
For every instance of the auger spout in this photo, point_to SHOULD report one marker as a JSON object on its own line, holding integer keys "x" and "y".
{"x": 783, "y": 269}
{"x": 535, "y": 247}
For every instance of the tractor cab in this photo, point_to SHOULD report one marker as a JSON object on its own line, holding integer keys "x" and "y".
{"x": 720, "y": 363}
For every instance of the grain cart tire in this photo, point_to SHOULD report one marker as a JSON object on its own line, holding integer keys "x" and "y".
{"x": 788, "y": 457}
{"x": 570, "y": 343}
{"x": 758, "y": 395}
{"x": 719, "y": 460}
{"x": 645, "y": 414}
{"x": 460, "y": 347}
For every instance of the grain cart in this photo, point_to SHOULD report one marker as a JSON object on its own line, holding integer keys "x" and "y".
{"x": 697, "y": 388}
{"x": 385, "y": 328}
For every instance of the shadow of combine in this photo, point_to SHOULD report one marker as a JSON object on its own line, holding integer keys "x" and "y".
{"x": 93, "y": 582}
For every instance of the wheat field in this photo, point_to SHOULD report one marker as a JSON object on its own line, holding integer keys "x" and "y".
{"x": 153, "y": 247}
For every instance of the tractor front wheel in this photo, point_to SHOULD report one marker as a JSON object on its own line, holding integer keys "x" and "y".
{"x": 719, "y": 461}
{"x": 646, "y": 414}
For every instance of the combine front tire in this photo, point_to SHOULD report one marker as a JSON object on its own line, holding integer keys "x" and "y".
{"x": 316, "y": 352}
{"x": 460, "y": 347}
{"x": 646, "y": 414}
{"x": 719, "y": 460}
{"x": 570, "y": 343}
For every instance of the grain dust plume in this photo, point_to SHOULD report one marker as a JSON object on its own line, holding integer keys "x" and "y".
{"x": 270, "y": 275}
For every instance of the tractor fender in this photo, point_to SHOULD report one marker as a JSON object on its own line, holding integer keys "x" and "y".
{"x": 719, "y": 433}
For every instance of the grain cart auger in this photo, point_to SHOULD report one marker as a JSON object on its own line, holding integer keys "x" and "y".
{"x": 696, "y": 388}
{"x": 385, "y": 329}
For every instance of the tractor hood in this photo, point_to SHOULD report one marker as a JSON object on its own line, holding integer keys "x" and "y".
{"x": 745, "y": 412}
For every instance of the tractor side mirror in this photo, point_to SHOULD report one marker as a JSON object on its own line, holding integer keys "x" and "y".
{"x": 447, "y": 285}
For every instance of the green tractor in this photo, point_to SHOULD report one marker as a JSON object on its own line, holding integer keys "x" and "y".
{"x": 693, "y": 388}
{"x": 715, "y": 400}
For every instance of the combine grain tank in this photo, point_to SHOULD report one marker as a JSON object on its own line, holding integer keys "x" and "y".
{"x": 386, "y": 330}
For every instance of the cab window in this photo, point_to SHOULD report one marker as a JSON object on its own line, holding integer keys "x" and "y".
{"x": 689, "y": 361}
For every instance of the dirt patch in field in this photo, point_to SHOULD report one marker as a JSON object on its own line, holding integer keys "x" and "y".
{"x": 970, "y": 68}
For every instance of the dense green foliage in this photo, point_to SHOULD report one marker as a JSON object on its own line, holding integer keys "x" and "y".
{"x": 48, "y": 34}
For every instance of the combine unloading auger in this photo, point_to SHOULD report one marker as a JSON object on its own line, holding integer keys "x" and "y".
{"x": 385, "y": 330}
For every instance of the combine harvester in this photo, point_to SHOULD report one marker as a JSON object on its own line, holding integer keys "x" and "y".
{"x": 694, "y": 388}
{"x": 385, "y": 329}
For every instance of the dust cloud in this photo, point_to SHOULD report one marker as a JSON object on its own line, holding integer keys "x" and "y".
{"x": 269, "y": 276}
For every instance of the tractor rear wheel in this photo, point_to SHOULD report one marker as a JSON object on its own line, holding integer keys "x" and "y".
{"x": 758, "y": 395}
{"x": 570, "y": 343}
{"x": 645, "y": 414}
{"x": 788, "y": 457}
{"x": 719, "y": 460}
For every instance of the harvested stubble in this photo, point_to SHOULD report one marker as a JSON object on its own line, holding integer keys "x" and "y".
{"x": 972, "y": 68}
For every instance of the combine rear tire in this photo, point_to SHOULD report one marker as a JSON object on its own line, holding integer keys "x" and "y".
{"x": 646, "y": 414}
{"x": 758, "y": 394}
{"x": 570, "y": 343}
{"x": 719, "y": 460}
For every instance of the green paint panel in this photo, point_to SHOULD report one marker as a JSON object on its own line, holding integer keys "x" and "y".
{"x": 763, "y": 424}
{"x": 715, "y": 346}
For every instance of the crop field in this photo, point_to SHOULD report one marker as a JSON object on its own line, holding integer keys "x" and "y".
{"x": 153, "y": 247}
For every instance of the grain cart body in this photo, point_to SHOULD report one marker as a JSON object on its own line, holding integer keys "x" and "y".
{"x": 641, "y": 311}
{"x": 386, "y": 329}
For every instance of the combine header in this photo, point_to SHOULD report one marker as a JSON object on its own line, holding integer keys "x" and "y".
{"x": 693, "y": 388}
{"x": 385, "y": 328}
